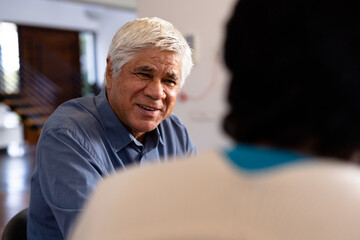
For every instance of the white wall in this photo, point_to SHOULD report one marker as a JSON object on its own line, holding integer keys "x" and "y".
{"x": 206, "y": 86}
{"x": 103, "y": 21}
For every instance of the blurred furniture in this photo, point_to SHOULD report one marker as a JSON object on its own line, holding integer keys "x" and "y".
{"x": 16, "y": 227}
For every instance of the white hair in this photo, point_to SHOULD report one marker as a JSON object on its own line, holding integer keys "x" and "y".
{"x": 144, "y": 33}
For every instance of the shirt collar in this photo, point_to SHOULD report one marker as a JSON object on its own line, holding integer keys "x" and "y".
{"x": 117, "y": 133}
{"x": 252, "y": 158}
{"x": 112, "y": 125}
{"x": 151, "y": 141}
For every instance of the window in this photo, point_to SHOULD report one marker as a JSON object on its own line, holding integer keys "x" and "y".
{"x": 9, "y": 59}
{"x": 87, "y": 60}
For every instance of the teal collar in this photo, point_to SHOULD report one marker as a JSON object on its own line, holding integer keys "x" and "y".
{"x": 252, "y": 158}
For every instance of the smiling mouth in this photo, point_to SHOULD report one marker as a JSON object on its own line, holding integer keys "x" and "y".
{"x": 147, "y": 108}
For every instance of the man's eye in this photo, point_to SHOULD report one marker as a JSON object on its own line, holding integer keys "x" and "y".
{"x": 143, "y": 76}
{"x": 170, "y": 82}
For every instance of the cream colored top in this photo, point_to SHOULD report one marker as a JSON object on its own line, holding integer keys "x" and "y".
{"x": 209, "y": 198}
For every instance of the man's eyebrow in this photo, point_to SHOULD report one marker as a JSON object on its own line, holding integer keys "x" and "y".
{"x": 144, "y": 68}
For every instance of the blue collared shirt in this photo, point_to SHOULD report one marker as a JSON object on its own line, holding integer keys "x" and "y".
{"x": 82, "y": 142}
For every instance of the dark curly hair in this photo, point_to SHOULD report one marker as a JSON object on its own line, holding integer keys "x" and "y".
{"x": 295, "y": 74}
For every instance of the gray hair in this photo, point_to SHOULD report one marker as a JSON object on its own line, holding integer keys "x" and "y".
{"x": 144, "y": 33}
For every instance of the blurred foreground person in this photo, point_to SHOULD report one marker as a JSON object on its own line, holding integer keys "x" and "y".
{"x": 294, "y": 103}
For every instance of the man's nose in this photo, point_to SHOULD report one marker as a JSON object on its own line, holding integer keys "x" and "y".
{"x": 155, "y": 89}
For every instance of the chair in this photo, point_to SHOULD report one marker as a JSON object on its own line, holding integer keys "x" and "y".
{"x": 15, "y": 229}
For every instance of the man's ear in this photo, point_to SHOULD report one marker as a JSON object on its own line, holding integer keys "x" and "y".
{"x": 109, "y": 72}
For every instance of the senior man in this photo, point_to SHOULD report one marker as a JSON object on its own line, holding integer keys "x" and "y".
{"x": 129, "y": 122}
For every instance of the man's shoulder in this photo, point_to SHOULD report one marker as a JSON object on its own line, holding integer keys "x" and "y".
{"x": 173, "y": 126}
{"x": 75, "y": 113}
{"x": 174, "y": 133}
{"x": 172, "y": 121}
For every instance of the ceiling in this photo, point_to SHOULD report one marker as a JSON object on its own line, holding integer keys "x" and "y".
{"x": 125, "y": 4}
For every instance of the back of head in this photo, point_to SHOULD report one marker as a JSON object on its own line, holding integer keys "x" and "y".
{"x": 144, "y": 33}
{"x": 295, "y": 68}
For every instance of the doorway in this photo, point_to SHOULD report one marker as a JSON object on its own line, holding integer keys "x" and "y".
{"x": 53, "y": 66}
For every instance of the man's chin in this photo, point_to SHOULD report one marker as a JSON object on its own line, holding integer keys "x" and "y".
{"x": 144, "y": 128}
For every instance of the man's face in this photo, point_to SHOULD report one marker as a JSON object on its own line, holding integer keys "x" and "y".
{"x": 144, "y": 93}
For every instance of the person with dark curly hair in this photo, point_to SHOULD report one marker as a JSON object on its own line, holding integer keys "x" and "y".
{"x": 294, "y": 104}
